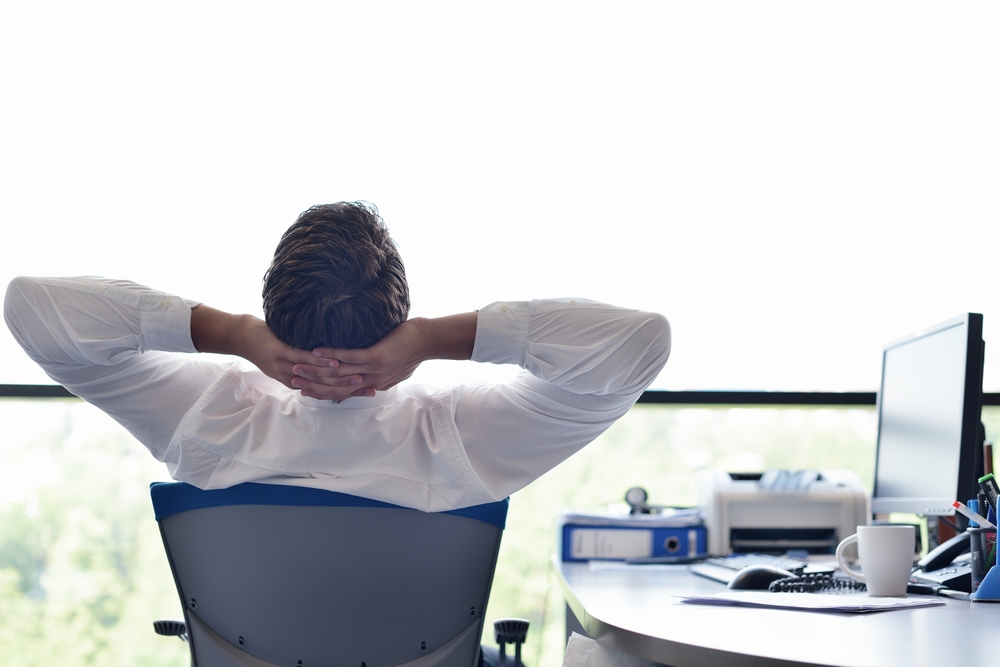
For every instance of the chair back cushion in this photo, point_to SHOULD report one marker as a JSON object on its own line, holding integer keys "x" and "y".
{"x": 297, "y": 576}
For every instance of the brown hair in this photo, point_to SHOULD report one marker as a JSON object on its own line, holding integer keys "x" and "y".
{"x": 336, "y": 279}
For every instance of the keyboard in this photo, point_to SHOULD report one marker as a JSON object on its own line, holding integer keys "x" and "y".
{"x": 724, "y": 568}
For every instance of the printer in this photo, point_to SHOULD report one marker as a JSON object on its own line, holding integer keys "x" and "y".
{"x": 779, "y": 510}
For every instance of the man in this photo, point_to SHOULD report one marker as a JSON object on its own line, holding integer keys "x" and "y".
{"x": 322, "y": 407}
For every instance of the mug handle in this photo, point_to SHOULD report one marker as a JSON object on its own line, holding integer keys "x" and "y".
{"x": 848, "y": 570}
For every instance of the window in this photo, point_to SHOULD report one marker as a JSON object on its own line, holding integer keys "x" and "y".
{"x": 792, "y": 184}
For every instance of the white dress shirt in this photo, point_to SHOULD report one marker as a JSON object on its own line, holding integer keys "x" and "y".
{"x": 122, "y": 346}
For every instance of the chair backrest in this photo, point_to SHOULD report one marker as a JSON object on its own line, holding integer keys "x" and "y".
{"x": 284, "y": 575}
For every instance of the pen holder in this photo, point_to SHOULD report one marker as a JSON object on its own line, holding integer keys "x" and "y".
{"x": 983, "y": 546}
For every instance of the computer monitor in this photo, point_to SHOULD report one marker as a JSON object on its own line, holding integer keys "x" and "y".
{"x": 929, "y": 407}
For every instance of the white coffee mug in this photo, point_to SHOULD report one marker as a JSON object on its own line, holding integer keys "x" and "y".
{"x": 885, "y": 553}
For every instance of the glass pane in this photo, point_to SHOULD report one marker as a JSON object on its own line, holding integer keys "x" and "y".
{"x": 82, "y": 570}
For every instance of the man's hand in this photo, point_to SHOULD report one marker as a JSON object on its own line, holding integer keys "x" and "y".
{"x": 246, "y": 336}
{"x": 395, "y": 357}
{"x": 383, "y": 365}
{"x": 279, "y": 360}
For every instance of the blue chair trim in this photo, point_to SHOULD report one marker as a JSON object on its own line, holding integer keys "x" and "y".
{"x": 171, "y": 498}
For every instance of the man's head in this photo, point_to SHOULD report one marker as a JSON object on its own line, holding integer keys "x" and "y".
{"x": 336, "y": 279}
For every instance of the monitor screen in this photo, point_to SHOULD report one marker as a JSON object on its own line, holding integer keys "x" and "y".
{"x": 928, "y": 417}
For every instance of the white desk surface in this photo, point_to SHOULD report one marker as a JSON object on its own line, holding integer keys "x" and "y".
{"x": 637, "y": 612}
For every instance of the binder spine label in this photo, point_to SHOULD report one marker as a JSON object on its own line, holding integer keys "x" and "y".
{"x": 610, "y": 543}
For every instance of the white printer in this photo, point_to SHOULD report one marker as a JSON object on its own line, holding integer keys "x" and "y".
{"x": 778, "y": 510}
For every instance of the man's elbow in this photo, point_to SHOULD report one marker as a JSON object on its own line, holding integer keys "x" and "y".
{"x": 656, "y": 330}
{"x": 660, "y": 336}
{"x": 22, "y": 311}
{"x": 16, "y": 306}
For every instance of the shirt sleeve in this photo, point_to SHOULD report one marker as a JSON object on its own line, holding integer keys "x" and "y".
{"x": 110, "y": 342}
{"x": 586, "y": 363}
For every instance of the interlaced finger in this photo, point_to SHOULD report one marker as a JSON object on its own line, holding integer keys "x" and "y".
{"x": 306, "y": 374}
{"x": 330, "y": 393}
{"x": 314, "y": 372}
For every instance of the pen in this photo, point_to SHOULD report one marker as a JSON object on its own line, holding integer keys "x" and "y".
{"x": 975, "y": 516}
{"x": 976, "y": 504}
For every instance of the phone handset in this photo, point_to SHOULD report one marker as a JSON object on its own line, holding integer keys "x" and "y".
{"x": 944, "y": 554}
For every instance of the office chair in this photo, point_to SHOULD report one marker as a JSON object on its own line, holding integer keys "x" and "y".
{"x": 273, "y": 575}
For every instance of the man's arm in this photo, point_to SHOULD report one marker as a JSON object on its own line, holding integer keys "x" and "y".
{"x": 585, "y": 364}
{"x": 249, "y": 337}
{"x": 114, "y": 344}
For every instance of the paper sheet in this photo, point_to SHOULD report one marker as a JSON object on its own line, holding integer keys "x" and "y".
{"x": 620, "y": 566}
{"x": 853, "y": 603}
{"x": 666, "y": 518}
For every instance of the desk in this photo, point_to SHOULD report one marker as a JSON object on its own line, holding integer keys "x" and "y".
{"x": 635, "y": 611}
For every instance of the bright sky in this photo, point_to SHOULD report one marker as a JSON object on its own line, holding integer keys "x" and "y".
{"x": 793, "y": 184}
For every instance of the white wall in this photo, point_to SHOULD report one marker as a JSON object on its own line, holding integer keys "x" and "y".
{"x": 793, "y": 184}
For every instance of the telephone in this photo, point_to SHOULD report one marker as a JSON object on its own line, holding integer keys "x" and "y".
{"x": 946, "y": 565}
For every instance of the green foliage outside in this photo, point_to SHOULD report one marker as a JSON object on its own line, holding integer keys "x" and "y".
{"x": 82, "y": 570}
